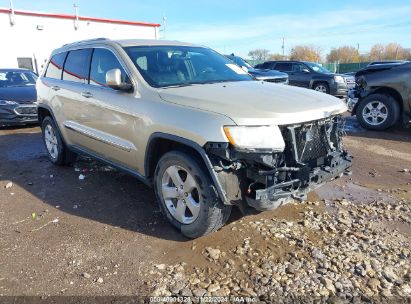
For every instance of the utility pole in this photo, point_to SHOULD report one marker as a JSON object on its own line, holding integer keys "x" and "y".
{"x": 283, "y": 48}
{"x": 164, "y": 26}
{"x": 76, "y": 24}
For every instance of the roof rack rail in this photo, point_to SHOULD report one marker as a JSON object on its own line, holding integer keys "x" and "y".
{"x": 86, "y": 40}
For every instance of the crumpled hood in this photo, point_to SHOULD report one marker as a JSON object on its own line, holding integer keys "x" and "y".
{"x": 256, "y": 102}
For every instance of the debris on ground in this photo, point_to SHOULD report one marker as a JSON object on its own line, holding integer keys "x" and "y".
{"x": 345, "y": 254}
{"x": 55, "y": 221}
{"x": 86, "y": 275}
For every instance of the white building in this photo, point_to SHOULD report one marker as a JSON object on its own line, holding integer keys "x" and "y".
{"x": 27, "y": 38}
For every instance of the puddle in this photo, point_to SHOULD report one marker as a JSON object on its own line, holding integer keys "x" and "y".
{"x": 352, "y": 192}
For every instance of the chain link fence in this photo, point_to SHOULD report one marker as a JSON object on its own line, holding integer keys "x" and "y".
{"x": 345, "y": 67}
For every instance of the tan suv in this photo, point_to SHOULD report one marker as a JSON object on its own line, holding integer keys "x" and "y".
{"x": 187, "y": 121}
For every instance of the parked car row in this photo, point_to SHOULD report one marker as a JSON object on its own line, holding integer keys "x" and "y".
{"x": 311, "y": 76}
{"x": 260, "y": 74}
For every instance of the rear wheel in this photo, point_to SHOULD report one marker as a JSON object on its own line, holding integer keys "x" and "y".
{"x": 187, "y": 197}
{"x": 378, "y": 112}
{"x": 57, "y": 152}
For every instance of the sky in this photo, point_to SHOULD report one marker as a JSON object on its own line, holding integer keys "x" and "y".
{"x": 239, "y": 26}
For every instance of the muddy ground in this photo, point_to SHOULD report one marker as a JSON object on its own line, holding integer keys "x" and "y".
{"x": 60, "y": 235}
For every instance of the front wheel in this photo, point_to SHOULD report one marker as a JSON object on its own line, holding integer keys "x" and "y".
{"x": 322, "y": 87}
{"x": 377, "y": 112}
{"x": 186, "y": 195}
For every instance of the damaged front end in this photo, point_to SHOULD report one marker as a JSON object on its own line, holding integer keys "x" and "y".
{"x": 313, "y": 155}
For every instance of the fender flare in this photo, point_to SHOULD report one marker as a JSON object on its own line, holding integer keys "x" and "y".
{"x": 191, "y": 144}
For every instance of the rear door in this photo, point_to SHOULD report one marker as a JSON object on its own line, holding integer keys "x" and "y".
{"x": 287, "y": 67}
{"x": 70, "y": 100}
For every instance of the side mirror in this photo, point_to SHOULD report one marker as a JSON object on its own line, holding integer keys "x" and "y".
{"x": 113, "y": 80}
{"x": 245, "y": 69}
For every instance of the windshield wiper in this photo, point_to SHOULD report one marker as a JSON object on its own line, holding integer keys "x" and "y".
{"x": 177, "y": 86}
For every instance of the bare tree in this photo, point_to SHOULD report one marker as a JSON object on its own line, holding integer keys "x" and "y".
{"x": 259, "y": 54}
{"x": 344, "y": 54}
{"x": 377, "y": 52}
{"x": 396, "y": 51}
{"x": 306, "y": 53}
{"x": 277, "y": 57}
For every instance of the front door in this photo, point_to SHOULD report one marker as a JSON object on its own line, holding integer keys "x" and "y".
{"x": 301, "y": 75}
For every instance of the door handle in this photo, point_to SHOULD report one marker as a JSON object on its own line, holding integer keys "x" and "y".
{"x": 86, "y": 94}
{"x": 55, "y": 88}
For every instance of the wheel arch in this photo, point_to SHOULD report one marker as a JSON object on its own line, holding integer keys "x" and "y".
{"x": 315, "y": 81}
{"x": 43, "y": 111}
{"x": 161, "y": 143}
{"x": 384, "y": 91}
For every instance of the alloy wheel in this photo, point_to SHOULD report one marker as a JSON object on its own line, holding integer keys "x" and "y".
{"x": 180, "y": 193}
{"x": 321, "y": 88}
{"x": 375, "y": 113}
{"x": 51, "y": 141}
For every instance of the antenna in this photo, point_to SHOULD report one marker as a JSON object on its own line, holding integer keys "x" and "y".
{"x": 283, "y": 47}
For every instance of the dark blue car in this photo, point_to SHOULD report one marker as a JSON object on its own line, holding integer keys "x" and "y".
{"x": 259, "y": 74}
{"x": 17, "y": 97}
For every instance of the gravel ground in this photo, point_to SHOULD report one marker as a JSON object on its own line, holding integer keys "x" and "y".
{"x": 89, "y": 230}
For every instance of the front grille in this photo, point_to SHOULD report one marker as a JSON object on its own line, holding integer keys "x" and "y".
{"x": 311, "y": 141}
{"x": 277, "y": 80}
{"x": 26, "y": 110}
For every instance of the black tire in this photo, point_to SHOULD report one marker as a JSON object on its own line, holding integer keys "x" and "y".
{"x": 323, "y": 84}
{"x": 391, "y": 109}
{"x": 63, "y": 155}
{"x": 212, "y": 214}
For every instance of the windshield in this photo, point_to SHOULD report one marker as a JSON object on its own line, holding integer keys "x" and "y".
{"x": 318, "y": 68}
{"x": 241, "y": 62}
{"x": 168, "y": 66}
{"x": 17, "y": 79}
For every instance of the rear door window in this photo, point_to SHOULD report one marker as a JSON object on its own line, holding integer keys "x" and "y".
{"x": 77, "y": 66}
{"x": 284, "y": 66}
{"x": 55, "y": 66}
{"x": 103, "y": 61}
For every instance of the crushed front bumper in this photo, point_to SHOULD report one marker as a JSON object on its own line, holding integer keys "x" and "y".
{"x": 313, "y": 155}
{"x": 352, "y": 100}
{"x": 279, "y": 194}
